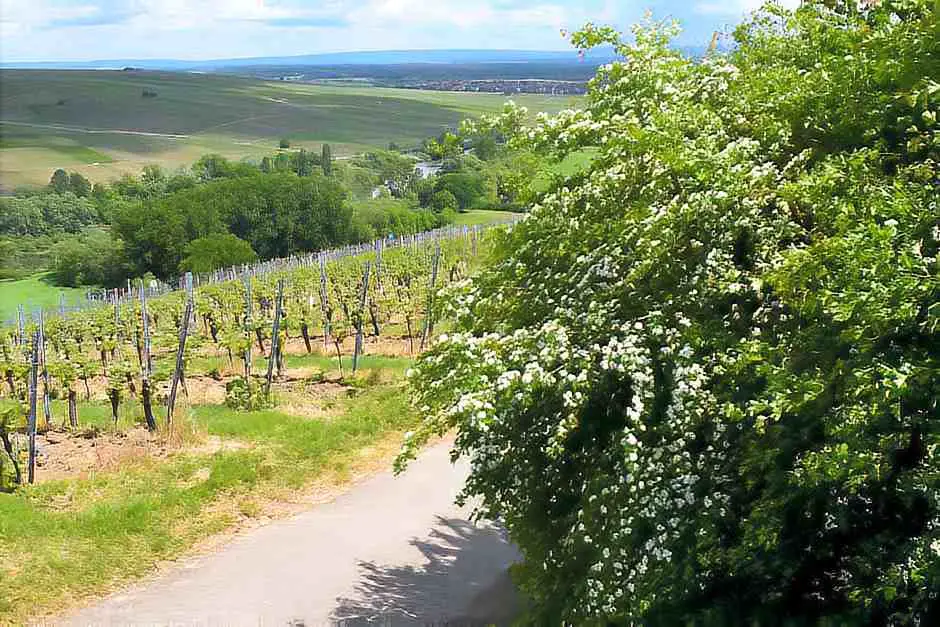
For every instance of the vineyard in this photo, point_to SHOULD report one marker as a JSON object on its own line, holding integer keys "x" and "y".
{"x": 223, "y": 337}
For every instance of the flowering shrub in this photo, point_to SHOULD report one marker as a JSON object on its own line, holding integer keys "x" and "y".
{"x": 699, "y": 382}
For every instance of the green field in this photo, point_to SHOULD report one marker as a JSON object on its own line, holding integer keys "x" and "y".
{"x": 99, "y": 123}
{"x": 483, "y": 216}
{"x": 33, "y": 292}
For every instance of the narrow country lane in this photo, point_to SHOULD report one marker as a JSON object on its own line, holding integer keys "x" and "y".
{"x": 392, "y": 551}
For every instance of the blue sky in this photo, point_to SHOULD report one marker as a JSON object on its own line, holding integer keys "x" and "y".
{"x": 37, "y": 30}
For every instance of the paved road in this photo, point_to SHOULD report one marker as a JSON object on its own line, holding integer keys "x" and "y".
{"x": 392, "y": 551}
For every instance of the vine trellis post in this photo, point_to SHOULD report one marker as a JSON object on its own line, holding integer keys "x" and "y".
{"x": 189, "y": 284}
{"x": 180, "y": 363}
{"x": 246, "y": 278}
{"x": 360, "y": 315}
{"x": 324, "y": 302}
{"x": 20, "y": 326}
{"x": 146, "y": 365}
{"x": 179, "y": 370}
{"x": 274, "y": 353}
{"x": 379, "y": 246}
{"x": 31, "y": 418}
{"x": 44, "y": 372}
{"x": 429, "y": 318}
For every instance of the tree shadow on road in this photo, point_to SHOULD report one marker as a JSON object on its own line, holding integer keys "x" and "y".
{"x": 464, "y": 583}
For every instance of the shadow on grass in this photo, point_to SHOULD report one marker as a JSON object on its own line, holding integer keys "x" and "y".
{"x": 464, "y": 583}
{"x": 47, "y": 278}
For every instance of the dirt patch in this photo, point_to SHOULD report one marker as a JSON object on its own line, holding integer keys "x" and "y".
{"x": 200, "y": 390}
{"x": 61, "y": 455}
{"x": 386, "y": 346}
{"x": 302, "y": 408}
{"x": 306, "y": 374}
{"x": 205, "y": 390}
{"x": 309, "y": 382}
{"x": 299, "y": 395}
{"x": 390, "y": 346}
{"x": 214, "y": 444}
{"x": 64, "y": 455}
{"x": 97, "y": 386}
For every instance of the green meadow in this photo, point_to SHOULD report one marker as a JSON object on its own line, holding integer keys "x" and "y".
{"x": 483, "y": 216}
{"x": 33, "y": 292}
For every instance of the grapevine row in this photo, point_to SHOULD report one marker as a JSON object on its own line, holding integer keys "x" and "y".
{"x": 138, "y": 345}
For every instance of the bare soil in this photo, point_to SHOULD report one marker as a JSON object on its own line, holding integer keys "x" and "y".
{"x": 384, "y": 345}
{"x": 202, "y": 389}
{"x": 63, "y": 455}
{"x": 69, "y": 455}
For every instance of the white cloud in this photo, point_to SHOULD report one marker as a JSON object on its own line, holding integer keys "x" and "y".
{"x": 201, "y": 29}
{"x": 737, "y": 8}
{"x": 455, "y": 13}
{"x": 29, "y": 13}
{"x": 18, "y": 18}
{"x": 186, "y": 14}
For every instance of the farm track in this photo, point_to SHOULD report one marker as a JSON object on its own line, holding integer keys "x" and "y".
{"x": 392, "y": 551}
{"x": 95, "y": 131}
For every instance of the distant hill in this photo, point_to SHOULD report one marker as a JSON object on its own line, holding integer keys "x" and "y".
{"x": 363, "y": 58}
{"x": 102, "y": 124}
{"x": 381, "y": 57}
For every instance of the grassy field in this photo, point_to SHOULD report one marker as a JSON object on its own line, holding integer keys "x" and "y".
{"x": 89, "y": 534}
{"x": 99, "y": 123}
{"x": 570, "y": 165}
{"x": 483, "y": 216}
{"x": 36, "y": 292}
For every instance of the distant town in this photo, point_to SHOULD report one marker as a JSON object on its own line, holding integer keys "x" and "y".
{"x": 500, "y": 86}
{"x": 496, "y": 86}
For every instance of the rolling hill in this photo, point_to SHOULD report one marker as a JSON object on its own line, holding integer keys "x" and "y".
{"x": 373, "y": 57}
{"x": 101, "y": 123}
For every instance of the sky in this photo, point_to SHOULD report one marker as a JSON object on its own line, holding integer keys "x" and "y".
{"x": 84, "y": 30}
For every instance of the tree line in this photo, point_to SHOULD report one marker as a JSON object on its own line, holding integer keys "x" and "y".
{"x": 220, "y": 212}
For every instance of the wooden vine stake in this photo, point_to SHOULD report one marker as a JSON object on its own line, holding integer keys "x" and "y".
{"x": 44, "y": 373}
{"x": 11, "y": 453}
{"x": 429, "y": 318}
{"x": 360, "y": 314}
{"x": 31, "y": 419}
{"x": 324, "y": 303}
{"x": 379, "y": 246}
{"x": 247, "y": 279}
{"x": 275, "y": 352}
{"x": 146, "y": 363}
{"x": 190, "y": 297}
{"x": 304, "y": 324}
{"x": 178, "y": 371}
{"x": 20, "y": 325}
